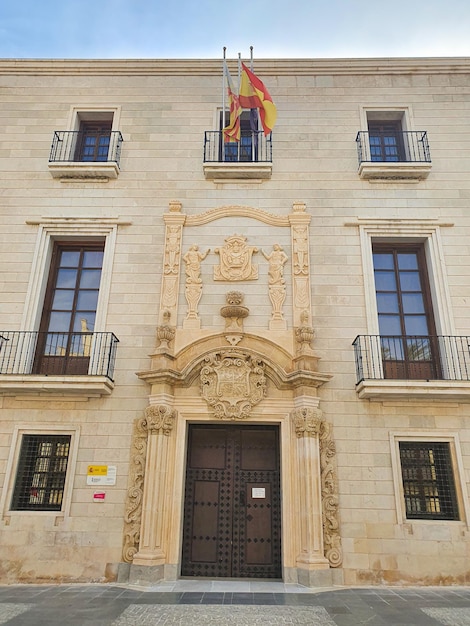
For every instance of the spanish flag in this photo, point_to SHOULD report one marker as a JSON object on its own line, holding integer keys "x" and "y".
{"x": 254, "y": 95}
{"x": 232, "y": 131}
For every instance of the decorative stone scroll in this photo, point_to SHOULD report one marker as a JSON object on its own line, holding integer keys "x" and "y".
{"x": 232, "y": 383}
{"x": 158, "y": 419}
{"x": 329, "y": 488}
{"x": 236, "y": 260}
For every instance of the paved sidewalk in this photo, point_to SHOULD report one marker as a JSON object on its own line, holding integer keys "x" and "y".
{"x": 113, "y": 605}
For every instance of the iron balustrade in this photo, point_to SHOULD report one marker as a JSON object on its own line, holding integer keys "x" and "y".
{"x": 253, "y": 147}
{"x": 380, "y": 357}
{"x": 393, "y": 147}
{"x": 73, "y": 146}
{"x": 57, "y": 354}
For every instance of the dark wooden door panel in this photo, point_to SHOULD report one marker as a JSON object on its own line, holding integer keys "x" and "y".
{"x": 232, "y": 503}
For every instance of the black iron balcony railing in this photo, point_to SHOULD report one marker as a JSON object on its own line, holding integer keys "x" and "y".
{"x": 57, "y": 354}
{"x": 412, "y": 357}
{"x": 253, "y": 147}
{"x": 393, "y": 147}
{"x": 80, "y": 147}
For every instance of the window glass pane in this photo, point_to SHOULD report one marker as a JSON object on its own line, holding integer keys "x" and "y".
{"x": 389, "y": 325}
{"x": 392, "y": 349}
{"x": 59, "y": 322}
{"x": 385, "y": 281}
{"x": 413, "y": 303}
{"x": 93, "y": 258}
{"x": 63, "y": 299}
{"x": 383, "y": 261}
{"x": 416, "y": 325}
{"x": 407, "y": 261}
{"x": 387, "y": 302}
{"x": 87, "y": 300}
{"x": 90, "y": 279}
{"x": 410, "y": 281}
{"x": 69, "y": 258}
{"x": 418, "y": 349}
{"x": 84, "y": 322}
{"x": 66, "y": 278}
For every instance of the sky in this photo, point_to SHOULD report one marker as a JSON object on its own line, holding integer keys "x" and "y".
{"x": 184, "y": 29}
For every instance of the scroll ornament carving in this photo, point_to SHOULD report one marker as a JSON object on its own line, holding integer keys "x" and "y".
{"x": 330, "y": 503}
{"x": 236, "y": 260}
{"x": 232, "y": 383}
{"x": 133, "y": 513}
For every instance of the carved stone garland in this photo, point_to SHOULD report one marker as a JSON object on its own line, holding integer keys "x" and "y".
{"x": 158, "y": 419}
{"x": 308, "y": 422}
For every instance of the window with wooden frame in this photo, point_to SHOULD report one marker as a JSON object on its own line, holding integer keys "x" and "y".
{"x": 406, "y": 323}
{"x": 41, "y": 473}
{"x": 93, "y": 141}
{"x": 245, "y": 150}
{"x": 428, "y": 480}
{"x": 68, "y": 318}
{"x": 386, "y": 141}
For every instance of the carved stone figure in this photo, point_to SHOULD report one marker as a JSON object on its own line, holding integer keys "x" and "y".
{"x": 277, "y": 259}
{"x": 192, "y": 259}
{"x": 236, "y": 260}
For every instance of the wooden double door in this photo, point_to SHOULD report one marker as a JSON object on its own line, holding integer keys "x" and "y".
{"x": 232, "y": 509}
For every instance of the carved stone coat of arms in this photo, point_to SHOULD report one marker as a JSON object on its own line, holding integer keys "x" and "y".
{"x": 232, "y": 383}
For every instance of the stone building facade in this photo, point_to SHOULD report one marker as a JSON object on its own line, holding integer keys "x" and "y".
{"x": 246, "y": 360}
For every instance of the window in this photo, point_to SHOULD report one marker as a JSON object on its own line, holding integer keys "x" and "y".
{"x": 69, "y": 313}
{"x": 40, "y": 478}
{"x": 93, "y": 141}
{"x": 428, "y": 480}
{"x": 89, "y": 147}
{"x": 406, "y": 324}
{"x": 386, "y": 141}
{"x": 246, "y": 149}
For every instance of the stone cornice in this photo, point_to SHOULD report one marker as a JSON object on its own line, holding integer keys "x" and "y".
{"x": 209, "y": 67}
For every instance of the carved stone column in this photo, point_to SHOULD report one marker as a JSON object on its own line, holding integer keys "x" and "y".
{"x": 307, "y": 423}
{"x": 158, "y": 421}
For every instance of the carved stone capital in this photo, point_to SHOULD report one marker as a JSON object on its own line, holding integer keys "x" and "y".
{"x": 159, "y": 419}
{"x": 307, "y": 422}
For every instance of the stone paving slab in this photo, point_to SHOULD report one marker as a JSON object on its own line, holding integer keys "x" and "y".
{"x": 113, "y": 605}
{"x": 220, "y": 616}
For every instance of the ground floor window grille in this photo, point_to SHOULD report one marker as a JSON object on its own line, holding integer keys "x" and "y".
{"x": 428, "y": 480}
{"x": 42, "y": 468}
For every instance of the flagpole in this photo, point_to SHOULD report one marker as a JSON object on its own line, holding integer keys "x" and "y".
{"x": 222, "y": 122}
{"x": 254, "y": 133}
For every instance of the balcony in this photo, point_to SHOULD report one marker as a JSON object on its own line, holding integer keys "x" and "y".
{"x": 79, "y": 155}
{"x": 249, "y": 159}
{"x": 400, "y": 156}
{"x": 61, "y": 364}
{"x": 435, "y": 367}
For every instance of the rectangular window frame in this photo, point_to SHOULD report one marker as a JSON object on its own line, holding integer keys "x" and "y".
{"x": 13, "y": 464}
{"x": 457, "y": 468}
